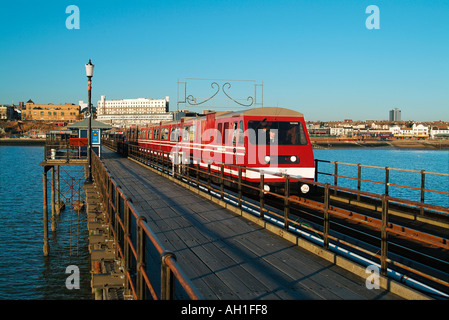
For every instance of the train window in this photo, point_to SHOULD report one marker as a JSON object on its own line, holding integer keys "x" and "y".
{"x": 164, "y": 134}
{"x": 174, "y": 134}
{"x": 241, "y": 133}
{"x": 234, "y": 133}
{"x": 220, "y": 131}
{"x": 280, "y": 132}
{"x": 225, "y": 132}
{"x": 192, "y": 133}
{"x": 156, "y": 134}
{"x": 185, "y": 133}
{"x": 150, "y": 133}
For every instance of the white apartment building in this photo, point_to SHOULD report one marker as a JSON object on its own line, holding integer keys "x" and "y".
{"x": 127, "y": 112}
{"x": 417, "y": 131}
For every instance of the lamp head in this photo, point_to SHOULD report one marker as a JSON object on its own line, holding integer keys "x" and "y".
{"x": 89, "y": 69}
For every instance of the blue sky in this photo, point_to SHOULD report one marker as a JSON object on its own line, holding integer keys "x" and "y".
{"x": 316, "y": 57}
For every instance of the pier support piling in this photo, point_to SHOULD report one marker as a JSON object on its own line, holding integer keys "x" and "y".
{"x": 53, "y": 206}
{"x": 44, "y": 186}
{"x": 58, "y": 191}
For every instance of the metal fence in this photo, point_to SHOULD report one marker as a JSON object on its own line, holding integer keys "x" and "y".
{"x": 340, "y": 173}
{"x": 151, "y": 271}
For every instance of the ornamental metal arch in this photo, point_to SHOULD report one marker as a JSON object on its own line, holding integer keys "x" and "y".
{"x": 186, "y": 98}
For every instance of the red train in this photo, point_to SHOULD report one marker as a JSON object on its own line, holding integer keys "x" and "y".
{"x": 272, "y": 140}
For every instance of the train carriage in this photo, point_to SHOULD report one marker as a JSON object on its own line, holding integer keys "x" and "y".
{"x": 271, "y": 140}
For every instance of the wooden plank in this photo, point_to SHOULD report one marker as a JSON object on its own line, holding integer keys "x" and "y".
{"x": 225, "y": 256}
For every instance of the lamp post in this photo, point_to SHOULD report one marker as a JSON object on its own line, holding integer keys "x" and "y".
{"x": 89, "y": 74}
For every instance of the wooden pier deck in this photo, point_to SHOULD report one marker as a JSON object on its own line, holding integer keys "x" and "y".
{"x": 225, "y": 255}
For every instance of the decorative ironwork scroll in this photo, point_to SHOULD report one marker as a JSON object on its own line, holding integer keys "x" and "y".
{"x": 192, "y": 101}
{"x": 229, "y": 86}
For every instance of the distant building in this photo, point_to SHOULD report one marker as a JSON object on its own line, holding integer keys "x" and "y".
{"x": 395, "y": 115}
{"x": 139, "y": 111}
{"x": 439, "y": 132}
{"x": 67, "y": 112}
{"x": 7, "y": 112}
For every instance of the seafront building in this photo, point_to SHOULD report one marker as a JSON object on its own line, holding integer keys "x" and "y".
{"x": 9, "y": 112}
{"x": 125, "y": 112}
{"x": 395, "y": 115}
{"x": 67, "y": 112}
{"x": 379, "y": 129}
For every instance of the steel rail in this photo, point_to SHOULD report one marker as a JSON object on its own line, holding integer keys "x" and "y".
{"x": 384, "y": 226}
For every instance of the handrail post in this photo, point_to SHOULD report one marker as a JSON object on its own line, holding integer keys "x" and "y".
{"x": 167, "y": 278}
{"x": 262, "y": 195}
{"x": 384, "y": 236}
{"x": 286, "y": 202}
{"x": 208, "y": 177}
{"x": 116, "y": 221}
{"x": 359, "y": 176}
{"x": 198, "y": 174}
{"x": 326, "y": 217}
{"x": 387, "y": 179}
{"x": 240, "y": 187}
{"x": 335, "y": 176}
{"x": 423, "y": 182}
{"x": 126, "y": 244}
{"x": 222, "y": 181}
{"x": 141, "y": 259}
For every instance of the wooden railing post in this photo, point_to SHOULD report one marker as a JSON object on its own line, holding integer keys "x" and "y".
{"x": 222, "y": 181}
{"x": 240, "y": 187}
{"x": 167, "y": 278}
{"x": 126, "y": 244}
{"x": 262, "y": 195}
{"x": 141, "y": 259}
{"x": 423, "y": 183}
{"x": 326, "y": 217}
{"x": 384, "y": 236}
{"x": 286, "y": 202}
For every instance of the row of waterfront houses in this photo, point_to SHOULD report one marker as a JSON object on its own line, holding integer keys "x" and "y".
{"x": 380, "y": 129}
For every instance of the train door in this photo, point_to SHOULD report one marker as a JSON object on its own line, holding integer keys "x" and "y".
{"x": 240, "y": 145}
{"x": 220, "y": 143}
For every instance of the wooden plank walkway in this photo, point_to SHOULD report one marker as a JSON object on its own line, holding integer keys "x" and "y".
{"x": 226, "y": 256}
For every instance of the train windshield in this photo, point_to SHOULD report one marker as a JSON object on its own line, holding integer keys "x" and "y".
{"x": 276, "y": 132}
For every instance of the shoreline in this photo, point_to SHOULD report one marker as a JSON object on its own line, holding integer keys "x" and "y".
{"x": 316, "y": 144}
{"x": 394, "y": 144}
{"x": 21, "y": 142}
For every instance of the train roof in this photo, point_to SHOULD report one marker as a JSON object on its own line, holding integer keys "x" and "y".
{"x": 264, "y": 111}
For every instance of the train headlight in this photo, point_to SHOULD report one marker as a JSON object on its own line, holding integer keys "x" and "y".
{"x": 305, "y": 188}
{"x": 293, "y": 158}
{"x": 267, "y": 159}
{"x": 266, "y": 188}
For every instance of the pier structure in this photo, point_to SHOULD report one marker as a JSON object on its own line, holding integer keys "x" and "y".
{"x": 160, "y": 231}
{"x": 185, "y": 224}
{"x": 64, "y": 192}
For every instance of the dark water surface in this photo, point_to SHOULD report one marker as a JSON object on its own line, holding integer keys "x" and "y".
{"x": 428, "y": 160}
{"x": 24, "y": 271}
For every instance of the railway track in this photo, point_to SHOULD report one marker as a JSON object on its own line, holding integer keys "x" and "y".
{"x": 418, "y": 245}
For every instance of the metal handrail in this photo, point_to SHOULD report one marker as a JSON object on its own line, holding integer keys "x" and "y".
{"x": 386, "y": 174}
{"x": 120, "y": 226}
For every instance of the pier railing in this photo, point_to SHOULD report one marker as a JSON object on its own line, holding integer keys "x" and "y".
{"x": 350, "y": 174}
{"x": 150, "y": 270}
{"x": 375, "y": 248}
